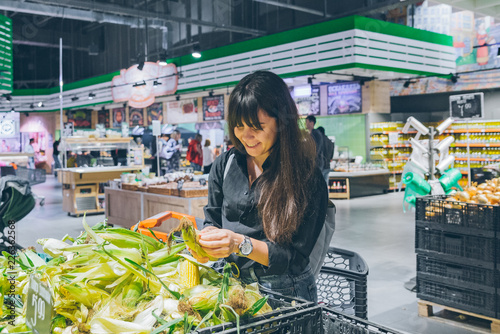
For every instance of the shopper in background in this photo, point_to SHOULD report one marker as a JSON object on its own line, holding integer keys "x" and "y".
{"x": 30, "y": 149}
{"x": 163, "y": 153}
{"x": 267, "y": 200}
{"x": 208, "y": 157}
{"x": 195, "y": 153}
{"x": 55, "y": 155}
{"x": 318, "y": 139}
{"x": 4, "y": 147}
{"x": 328, "y": 148}
{"x": 174, "y": 146}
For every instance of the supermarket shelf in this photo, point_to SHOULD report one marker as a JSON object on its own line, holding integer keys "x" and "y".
{"x": 396, "y": 188}
{"x": 477, "y": 145}
{"x": 388, "y": 132}
{"x": 472, "y": 130}
{"x": 392, "y": 159}
{"x": 391, "y": 146}
{"x": 477, "y": 159}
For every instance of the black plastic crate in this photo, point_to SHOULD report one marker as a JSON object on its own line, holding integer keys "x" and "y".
{"x": 457, "y": 274}
{"x": 313, "y": 320}
{"x": 470, "y": 300}
{"x": 342, "y": 282}
{"x": 480, "y": 249}
{"x": 436, "y": 210}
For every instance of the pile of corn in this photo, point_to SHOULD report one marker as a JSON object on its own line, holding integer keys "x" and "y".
{"x": 112, "y": 280}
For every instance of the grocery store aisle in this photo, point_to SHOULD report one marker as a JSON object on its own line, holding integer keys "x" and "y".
{"x": 375, "y": 227}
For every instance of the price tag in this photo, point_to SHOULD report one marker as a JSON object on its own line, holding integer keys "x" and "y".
{"x": 39, "y": 308}
{"x": 393, "y": 138}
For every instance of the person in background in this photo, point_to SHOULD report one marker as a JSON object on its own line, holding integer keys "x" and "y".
{"x": 4, "y": 147}
{"x": 195, "y": 153}
{"x": 328, "y": 148}
{"x": 318, "y": 139}
{"x": 30, "y": 149}
{"x": 55, "y": 155}
{"x": 174, "y": 150}
{"x": 163, "y": 153}
{"x": 208, "y": 157}
{"x": 267, "y": 199}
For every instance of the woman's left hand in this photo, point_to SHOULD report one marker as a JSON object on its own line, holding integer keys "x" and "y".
{"x": 220, "y": 243}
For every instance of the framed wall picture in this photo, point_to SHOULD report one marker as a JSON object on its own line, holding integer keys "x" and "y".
{"x": 182, "y": 111}
{"x": 136, "y": 116}
{"x": 154, "y": 113}
{"x": 344, "y": 98}
{"x": 213, "y": 108}
{"x": 81, "y": 118}
{"x": 118, "y": 117}
{"x": 103, "y": 117}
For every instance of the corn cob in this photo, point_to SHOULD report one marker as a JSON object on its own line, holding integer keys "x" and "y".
{"x": 189, "y": 274}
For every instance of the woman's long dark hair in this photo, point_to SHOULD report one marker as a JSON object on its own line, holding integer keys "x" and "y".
{"x": 285, "y": 185}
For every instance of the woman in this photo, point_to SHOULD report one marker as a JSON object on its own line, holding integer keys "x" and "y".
{"x": 208, "y": 157}
{"x": 267, "y": 200}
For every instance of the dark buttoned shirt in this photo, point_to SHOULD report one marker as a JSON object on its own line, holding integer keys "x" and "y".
{"x": 232, "y": 205}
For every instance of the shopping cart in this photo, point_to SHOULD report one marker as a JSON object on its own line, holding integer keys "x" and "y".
{"x": 33, "y": 176}
{"x": 16, "y": 201}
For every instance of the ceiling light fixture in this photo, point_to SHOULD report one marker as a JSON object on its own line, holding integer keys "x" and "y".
{"x": 196, "y": 51}
{"x": 40, "y": 104}
{"x": 211, "y": 93}
{"x": 32, "y": 106}
{"x": 91, "y": 95}
{"x": 74, "y": 98}
{"x": 137, "y": 84}
{"x": 310, "y": 80}
{"x": 163, "y": 58}
{"x": 454, "y": 78}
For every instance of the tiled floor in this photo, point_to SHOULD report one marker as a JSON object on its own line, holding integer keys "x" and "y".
{"x": 375, "y": 227}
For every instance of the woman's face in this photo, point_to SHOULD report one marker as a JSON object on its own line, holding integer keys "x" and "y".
{"x": 258, "y": 143}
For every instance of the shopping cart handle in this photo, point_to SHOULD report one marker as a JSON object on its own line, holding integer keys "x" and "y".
{"x": 155, "y": 221}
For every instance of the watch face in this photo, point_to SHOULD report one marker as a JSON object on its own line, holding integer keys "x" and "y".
{"x": 246, "y": 247}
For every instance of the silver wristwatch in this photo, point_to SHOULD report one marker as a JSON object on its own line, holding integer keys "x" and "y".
{"x": 246, "y": 247}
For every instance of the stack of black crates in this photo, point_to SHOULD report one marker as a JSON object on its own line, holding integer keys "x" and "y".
{"x": 457, "y": 247}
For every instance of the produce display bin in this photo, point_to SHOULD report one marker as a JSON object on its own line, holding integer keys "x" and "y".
{"x": 436, "y": 211}
{"x": 342, "y": 282}
{"x": 313, "y": 320}
{"x": 457, "y": 274}
{"x": 475, "y": 301}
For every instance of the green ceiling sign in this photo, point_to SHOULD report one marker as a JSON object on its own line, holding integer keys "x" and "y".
{"x": 6, "y": 65}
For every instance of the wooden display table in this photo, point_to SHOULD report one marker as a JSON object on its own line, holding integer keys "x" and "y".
{"x": 361, "y": 183}
{"x": 81, "y": 186}
{"x": 126, "y": 208}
